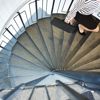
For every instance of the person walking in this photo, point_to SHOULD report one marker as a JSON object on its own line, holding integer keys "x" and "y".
{"x": 81, "y": 15}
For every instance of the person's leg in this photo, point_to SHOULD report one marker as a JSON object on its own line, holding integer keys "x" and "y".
{"x": 81, "y": 30}
{"x": 81, "y": 27}
{"x": 84, "y": 29}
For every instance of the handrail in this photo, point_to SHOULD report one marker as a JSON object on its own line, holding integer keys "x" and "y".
{"x": 71, "y": 92}
{"x": 13, "y": 14}
{"x": 87, "y": 77}
{"x": 28, "y": 2}
{"x": 11, "y": 92}
{"x": 36, "y": 9}
{"x": 21, "y": 20}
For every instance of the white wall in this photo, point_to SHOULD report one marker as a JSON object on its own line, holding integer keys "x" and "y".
{"x": 7, "y": 8}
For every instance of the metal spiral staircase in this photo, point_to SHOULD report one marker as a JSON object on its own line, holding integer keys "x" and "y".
{"x": 39, "y": 61}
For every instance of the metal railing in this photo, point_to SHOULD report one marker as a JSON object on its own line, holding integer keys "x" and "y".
{"x": 30, "y": 13}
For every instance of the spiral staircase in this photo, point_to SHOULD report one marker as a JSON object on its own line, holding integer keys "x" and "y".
{"x": 39, "y": 61}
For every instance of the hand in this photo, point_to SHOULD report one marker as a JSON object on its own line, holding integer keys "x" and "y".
{"x": 68, "y": 20}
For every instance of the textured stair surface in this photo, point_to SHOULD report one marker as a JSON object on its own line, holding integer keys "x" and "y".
{"x": 36, "y": 35}
{"x": 46, "y": 30}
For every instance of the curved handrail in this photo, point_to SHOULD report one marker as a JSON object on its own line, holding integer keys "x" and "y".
{"x": 13, "y": 14}
{"x": 28, "y": 2}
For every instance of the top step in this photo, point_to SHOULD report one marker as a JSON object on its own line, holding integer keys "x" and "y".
{"x": 63, "y": 25}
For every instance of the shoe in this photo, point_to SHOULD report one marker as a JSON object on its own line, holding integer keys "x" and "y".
{"x": 82, "y": 33}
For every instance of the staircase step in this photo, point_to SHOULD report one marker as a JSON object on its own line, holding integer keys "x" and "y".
{"x": 96, "y": 95}
{"x": 11, "y": 94}
{"x": 57, "y": 93}
{"x": 8, "y": 82}
{"x": 37, "y": 37}
{"x": 17, "y": 71}
{"x": 46, "y": 29}
{"x": 90, "y": 66}
{"x": 85, "y": 49}
{"x": 16, "y": 61}
{"x": 78, "y": 88}
{"x": 28, "y": 44}
{"x": 6, "y": 52}
{"x": 5, "y": 81}
{"x": 67, "y": 44}
{"x": 3, "y": 74}
{"x": 22, "y": 52}
{"x": 94, "y": 70}
{"x": 3, "y": 67}
{"x": 25, "y": 93}
{"x": 2, "y": 55}
{"x": 74, "y": 95}
{"x": 75, "y": 42}
{"x": 63, "y": 25}
{"x": 17, "y": 80}
{"x": 89, "y": 95}
{"x": 72, "y": 41}
{"x": 75, "y": 50}
{"x": 62, "y": 93}
{"x": 58, "y": 35}
{"x": 60, "y": 16}
{"x": 21, "y": 68}
{"x": 4, "y": 60}
{"x": 50, "y": 80}
{"x": 91, "y": 56}
{"x": 92, "y": 39}
{"x": 64, "y": 79}
{"x": 52, "y": 92}
{"x": 2, "y": 86}
{"x": 21, "y": 62}
{"x": 28, "y": 67}
{"x": 39, "y": 93}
